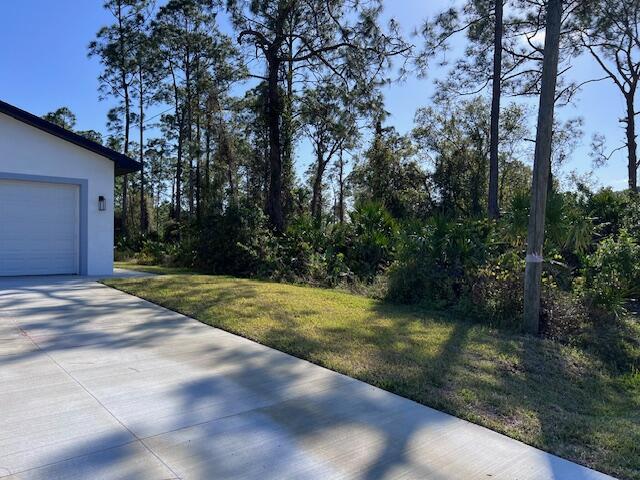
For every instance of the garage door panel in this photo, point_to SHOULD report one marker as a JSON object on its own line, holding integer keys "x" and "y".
{"x": 39, "y": 228}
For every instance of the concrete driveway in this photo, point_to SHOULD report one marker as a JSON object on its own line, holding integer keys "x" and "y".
{"x": 97, "y": 384}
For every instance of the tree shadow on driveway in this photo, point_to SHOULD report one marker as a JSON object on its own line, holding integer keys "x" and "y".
{"x": 203, "y": 403}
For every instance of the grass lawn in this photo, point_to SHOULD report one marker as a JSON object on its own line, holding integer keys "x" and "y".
{"x": 554, "y": 397}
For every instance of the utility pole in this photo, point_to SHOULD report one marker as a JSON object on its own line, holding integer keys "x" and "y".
{"x": 541, "y": 162}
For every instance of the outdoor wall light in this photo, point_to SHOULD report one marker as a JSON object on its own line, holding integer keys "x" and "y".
{"x": 102, "y": 203}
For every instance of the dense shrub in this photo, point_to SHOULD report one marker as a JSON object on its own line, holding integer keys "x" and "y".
{"x": 153, "y": 252}
{"x": 631, "y": 217}
{"x": 608, "y": 208}
{"x": 612, "y": 273}
{"x": 338, "y": 254}
{"x": 345, "y": 253}
{"x": 236, "y": 241}
{"x": 298, "y": 252}
{"x": 516, "y": 219}
{"x": 374, "y": 236}
{"x": 495, "y": 291}
{"x": 124, "y": 249}
{"x": 436, "y": 261}
{"x": 475, "y": 267}
{"x": 123, "y": 254}
{"x": 569, "y": 228}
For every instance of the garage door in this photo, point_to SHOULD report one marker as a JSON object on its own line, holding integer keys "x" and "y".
{"x": 39, "y": 228}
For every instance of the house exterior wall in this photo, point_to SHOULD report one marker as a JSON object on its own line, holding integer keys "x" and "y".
{"x": 28, "y": 151}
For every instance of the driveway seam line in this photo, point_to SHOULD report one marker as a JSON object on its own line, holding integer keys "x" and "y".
{"x": 26, "y": 334}
{"x": 71, "y": 458}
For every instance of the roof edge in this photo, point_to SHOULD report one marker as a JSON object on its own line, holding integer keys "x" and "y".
{"x": 123, "y": 163}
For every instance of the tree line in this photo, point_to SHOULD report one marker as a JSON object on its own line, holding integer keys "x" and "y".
{"x": 235, "y": 87}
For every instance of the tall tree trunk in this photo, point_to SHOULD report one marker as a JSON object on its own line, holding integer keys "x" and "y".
{"x": 125, "y": 204}
{"x": 266, "y": 179}
{"x": 143, "y": 206}
{"x": 172, "y": 207}
{"x": 157, "y": 208}
{"x": 274, "y": 112}
{"x": 287, "y": 131}
{"x": 178, "y": 207}
{"x": 632, "y": 146}
{"x": 187, "y": 73}
{"x": 127, "y": 121}
{"x": 179, "y": 118}
{"x": 229, "y": 155}
{"x": 494, "y": 207}
{"x": 316, "y": 197}
{"x": 542, "y": 158}
{"x": 198, "y": 160}
{"x": 341, "y": 188}
{"x": 207, "y": 159}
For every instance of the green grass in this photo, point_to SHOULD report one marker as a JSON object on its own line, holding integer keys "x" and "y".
{"x": 157, "y": 269}
{"x": 554, "y": 397}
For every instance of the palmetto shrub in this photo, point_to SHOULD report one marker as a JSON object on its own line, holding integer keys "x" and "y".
{"x": 436, "y": 260}
{"x": 612, "y": 272}
{"x": 374, "y": 236}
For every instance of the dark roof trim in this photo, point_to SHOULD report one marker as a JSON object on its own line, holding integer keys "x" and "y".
{"x": 123, "y": 164}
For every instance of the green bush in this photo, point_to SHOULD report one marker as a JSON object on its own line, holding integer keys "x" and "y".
{"x": 631, "y": 218}
{"x": 236, "y": 241}
{"x": 612, "y": 272}
{"x": 516, "y": 219}
{"x": 123, "y": 254}
{"x": 496, "y": 291}
{"x": 569, "y": 227}
{"x": 608, "y": 208}
{"x": 152, "y": 253}
{"x": 374, "y": 235}
{"x": 338, "y": 252}
{"x": 300, "y": 251}
{"x": 436, "y": 260}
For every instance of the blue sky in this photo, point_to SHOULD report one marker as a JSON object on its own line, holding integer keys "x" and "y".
{"x": 44, "y": 65}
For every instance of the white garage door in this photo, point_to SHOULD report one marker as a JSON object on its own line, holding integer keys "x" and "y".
{"x": 39, "y": 228}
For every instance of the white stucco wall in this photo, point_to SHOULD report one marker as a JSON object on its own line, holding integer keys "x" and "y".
{"x": 29, "y": 151}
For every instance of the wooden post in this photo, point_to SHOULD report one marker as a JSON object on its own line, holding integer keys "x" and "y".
{"x": 542, "y": 159}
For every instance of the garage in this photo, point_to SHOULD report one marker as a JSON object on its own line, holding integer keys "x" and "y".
{"x": 42, "y": 228}
{"x": 56, "y": 198}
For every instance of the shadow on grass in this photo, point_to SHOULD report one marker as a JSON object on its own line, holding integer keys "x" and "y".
{"x": 582, "y": 412}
